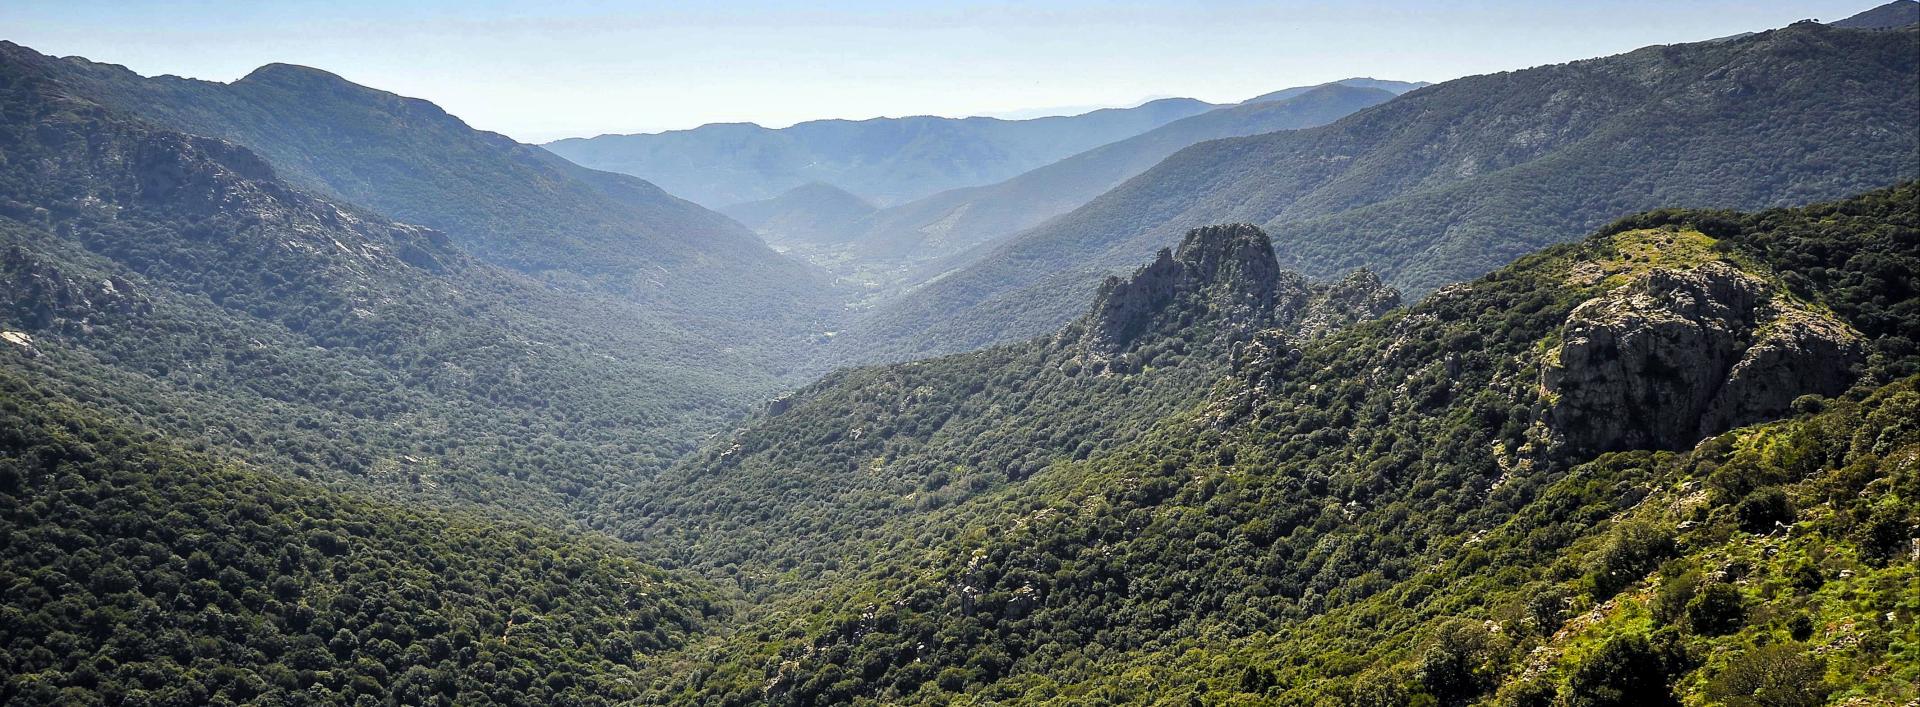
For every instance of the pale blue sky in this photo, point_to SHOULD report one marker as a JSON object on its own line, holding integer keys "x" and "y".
{"x": 538, "y": 71}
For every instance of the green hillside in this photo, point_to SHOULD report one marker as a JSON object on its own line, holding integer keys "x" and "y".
{"x": 809, "y": 483}
{"x": 177, "y": 282}
{"x": 1401, "y": 512}
{"x": 137, "y": 572}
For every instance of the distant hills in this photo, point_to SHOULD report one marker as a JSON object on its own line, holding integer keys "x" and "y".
{"x": 951, "y": 222}
{"x": 1454, "y": 179}
{"x": 883, "y": 160}
{"x": 815, "y": 213}
{"x": 886, "y": 161}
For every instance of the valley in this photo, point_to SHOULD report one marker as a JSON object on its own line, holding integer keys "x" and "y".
{"x": 1587, "y": 383}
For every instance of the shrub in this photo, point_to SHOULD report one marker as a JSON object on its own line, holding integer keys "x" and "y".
{"x": 1718, "y": 610}
{"x": 1626, "y": 671}
{"x": 1777, "y": 675}
{"x": 1761, "y": 510}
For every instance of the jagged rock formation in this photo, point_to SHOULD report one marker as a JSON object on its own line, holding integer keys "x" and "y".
{"x": 1225, "y": 278}
{"x": 1229, "y": 269}
{"x": 1677, "y": 355}
{"x": 1358, "y": 297}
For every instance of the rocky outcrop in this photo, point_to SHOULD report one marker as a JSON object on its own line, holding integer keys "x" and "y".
{"x": 39, "y": 297}
{"x": 1677, "y": 355}
{"x": 1227, "y": 271}
{"x": 1358, "y": 297}
{"x": 1222, "y": 288}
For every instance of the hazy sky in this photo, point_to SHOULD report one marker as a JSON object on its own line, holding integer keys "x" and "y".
{"x": 543, "y": 70}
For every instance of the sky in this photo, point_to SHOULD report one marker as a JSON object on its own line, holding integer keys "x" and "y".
{"x": 539, "y": 71}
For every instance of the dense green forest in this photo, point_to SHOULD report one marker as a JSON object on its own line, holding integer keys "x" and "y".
{"x": 1388, "y": 515}
{"x": 137, "y": 572}
{"x": 1456, "y": 179}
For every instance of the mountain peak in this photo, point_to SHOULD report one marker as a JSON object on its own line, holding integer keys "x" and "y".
{"x": 1239, "y": 250}
{"x": 279, "y": 73}
{"x": 1226, "y": 271}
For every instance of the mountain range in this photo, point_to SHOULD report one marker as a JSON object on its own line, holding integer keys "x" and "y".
{"x": 886, "y": 161}
{"x": 1451, "y": 180}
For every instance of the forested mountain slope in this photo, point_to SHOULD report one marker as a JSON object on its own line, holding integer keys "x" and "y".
{"x": 511, "y": 204}
{"x": 883, "y": 160}
{"x": 178, "y": 284}
{"x": 808, "y": 483}
{"x": 1457, "y": 178}
{"x": 136, "y": 572}
{"x": 953, "y": 221}
{"x": 1419, "y": 510}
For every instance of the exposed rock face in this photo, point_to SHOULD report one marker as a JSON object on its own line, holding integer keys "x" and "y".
{"x": 1223, "y": 287}
{"x": 40, "y": 297}
{"x": 1358, "y": 297}
{"x": 1229, "y": 271}
{"x": 1678, "y": 355}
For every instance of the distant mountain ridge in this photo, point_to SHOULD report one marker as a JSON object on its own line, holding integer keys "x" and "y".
{"x": 883, "y": 160}
{"x": 886, "y": 161}
{"x": 1450, "y": 180}
{"x": 1390, "y": 86}
{"x": 951, "y": 222}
